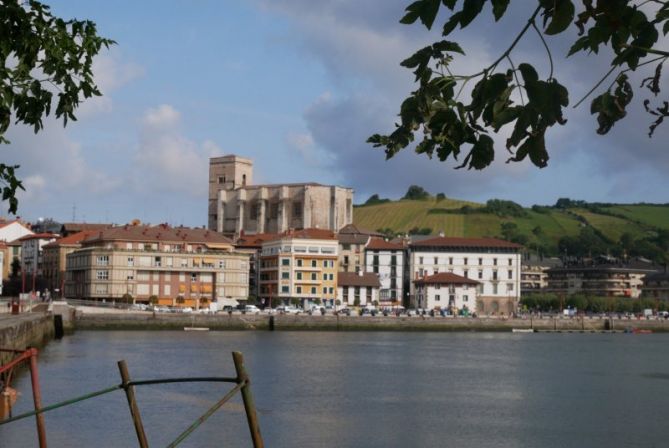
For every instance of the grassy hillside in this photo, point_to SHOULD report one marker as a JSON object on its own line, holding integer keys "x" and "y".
{"x": 537, "y": 227}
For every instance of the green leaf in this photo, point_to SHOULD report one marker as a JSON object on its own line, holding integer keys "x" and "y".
{"x": 482, "y": 153}
{"x": 452, "y": 22}
{"x": 470, "y": 10}
{"x": 581, "y": 44}
{"x": 426, "y": 10}
{"x": 499, "y": 8}
{"x": 562, "y": 15}
{"x": 528, "y": 72}
{"x": 446, "y": 45}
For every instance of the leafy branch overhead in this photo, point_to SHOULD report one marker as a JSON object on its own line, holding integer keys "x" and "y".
{"x": 47, "y": 62}
{"x": 515, "y": 95}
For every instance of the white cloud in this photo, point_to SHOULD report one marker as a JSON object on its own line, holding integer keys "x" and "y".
{"x": 166, "y": 160}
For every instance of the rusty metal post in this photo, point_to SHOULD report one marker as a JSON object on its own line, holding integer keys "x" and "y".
{"x": 37, "y": 398}
{"x": 132, "y": 403}
{"x": 247, "y": 396}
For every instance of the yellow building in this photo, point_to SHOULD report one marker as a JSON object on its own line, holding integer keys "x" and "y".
{"x": 300, "y": 265}
{"x": 167, "y": 265}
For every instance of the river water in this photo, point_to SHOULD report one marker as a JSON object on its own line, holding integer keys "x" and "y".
{"x": 362, "y": 389}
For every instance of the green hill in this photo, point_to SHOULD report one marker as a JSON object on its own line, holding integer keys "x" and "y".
{"x": 553, "y": 230}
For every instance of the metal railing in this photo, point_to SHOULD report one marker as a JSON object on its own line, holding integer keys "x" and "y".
{"x": 242, "y": 384}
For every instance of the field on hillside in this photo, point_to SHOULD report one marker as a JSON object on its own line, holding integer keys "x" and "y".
{"x": 539, "y": 227}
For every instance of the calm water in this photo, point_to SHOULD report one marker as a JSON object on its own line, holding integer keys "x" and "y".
{"x": 363, "y": 389}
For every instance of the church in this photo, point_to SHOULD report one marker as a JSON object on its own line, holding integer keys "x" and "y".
{"x": 238, "y": 206}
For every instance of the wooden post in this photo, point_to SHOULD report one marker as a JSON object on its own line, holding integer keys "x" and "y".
{"x": 247, "y": 397}
{"x": 37, "y": 398}
{"x": 132, "y": 403}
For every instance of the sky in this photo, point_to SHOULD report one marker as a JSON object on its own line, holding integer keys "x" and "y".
{"x": 298, "y": 86}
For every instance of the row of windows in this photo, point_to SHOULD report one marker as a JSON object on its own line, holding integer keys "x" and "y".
{"x": 312, "y": 290}
{"x": 314, "y": 263}
{"x": 329, "y": 250}
{"x": 465, "y": 261}
{"x": 477, "y": 274}
{"x": 451, "y": 298}
{"x": 314, "y": 276}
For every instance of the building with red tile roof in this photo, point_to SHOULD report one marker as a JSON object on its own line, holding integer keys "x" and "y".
{"x": 448, "y": 291}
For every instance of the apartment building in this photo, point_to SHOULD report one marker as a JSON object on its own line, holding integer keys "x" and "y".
{"x": 603, "y": 280}
{"x": 252, "y": 245}
{"x": 300, "y": 265}
{"x": 493, "y": 263}
{"x": 171, "y": 265}
{"x": 236, "y": 205}
{"x": 387, "y": 260}
{"x": 352, "y": 242}
{"x": 656, "y": 285}
{"x": 32, "y": 257}
{"x": 54, "y": 257}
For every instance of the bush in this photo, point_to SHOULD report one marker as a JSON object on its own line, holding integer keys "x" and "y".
{"x": 416, "y": 193}
{"x": 153, "y": 300}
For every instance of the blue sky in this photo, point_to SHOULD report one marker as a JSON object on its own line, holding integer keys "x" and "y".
{"x": 297, "y": 86}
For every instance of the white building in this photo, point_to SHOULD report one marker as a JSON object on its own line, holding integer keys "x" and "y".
{"x": 358, "y": 289}
{"x": 31, "y": 251}
{"x": 494, "y": 263}
{"x": 446, "y": 291}
{"x": 13, "y": 230}
{"x": 387, "y": 260}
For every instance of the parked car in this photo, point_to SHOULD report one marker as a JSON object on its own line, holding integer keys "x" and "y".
{"x": 252, "y": 309}
{"x": 289, "y": 310}
{"x": 344, "y": 311}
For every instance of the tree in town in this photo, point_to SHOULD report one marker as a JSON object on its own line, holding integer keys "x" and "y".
{"x": 153, "y": 300}
{"x": 511, "y": 93}
{"x": 47, "y": 63}
{"x": 127, "y": 298}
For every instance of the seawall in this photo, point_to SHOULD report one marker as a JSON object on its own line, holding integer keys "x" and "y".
{"x": 25, "y": 330}
{"x": 160, "y": 321}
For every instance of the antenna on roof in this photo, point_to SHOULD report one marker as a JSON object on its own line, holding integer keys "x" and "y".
{"x": 74, "y": 212}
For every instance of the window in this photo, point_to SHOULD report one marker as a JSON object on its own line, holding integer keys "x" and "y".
{"x": 130, "y": 275}
{"x": 102, "y": 275}
{"x": 299, "y": 276}
{"x": 221, "y": 179}
{"x": 466, "y": 260}
{"x": 313, "y": 290}
{"x": 436, "y": 260}
{"x": 325, "y": 263}
{"x": 420, "y": 260}
{"x": 494, "y": 288}
{"x": 465, "y": 273}
{"x": 131, "y": 261}
{"x": 297, "y": 209}
{"x": 325, "y": 276}
{"x": 437, "y": 298}
{"x": 393, "y": 260}
{"x": 285, "y": 289}
{"x": 299, "y": 262}
{"x": 285, "y": 275}
{"x": 510, "y": 275}
{"x": 221, "y": 264}
{"x": 184, "y": 262}
{"x": 480, "y": 261}
{"x": 325, "y": 290}
{"x": 314, "y": 276}
{"x": 345, "y": 293}
{"x": 421, "y": 272}
{"x": 346, "y": 247}
{"x": 437, "y": 286}
{"x": 346, "y": 259}
{"x": 193, "y": 276}
{"x": 356, "y": 292}
{"x": 509, "y": 287}
{"x": 103, "y": 260}
{"x": 494, "y": 261}
{"x": 450, "y": 260}
{"x": 510, "y": 261}
{"x": 331, "y": 276}
{"x": 465, "y": 298}
{"x": 285, "y": 262}
{"x": 314, "y": 263}
{"x": 494, "y": 275}
{"x": 369, "y": 294}
{"x": 157, "y": 262}
{"x": 480, "y": 275}
{"x": 331, "y": 290}
{"x": 331, "y": 263}
{"x": 298, "y": 290}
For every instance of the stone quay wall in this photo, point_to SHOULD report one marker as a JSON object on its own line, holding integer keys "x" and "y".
{"x": 160, "y": 321}
{"x": 25, "y": 330}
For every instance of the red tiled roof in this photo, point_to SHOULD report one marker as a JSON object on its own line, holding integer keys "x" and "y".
{"x": 465, "y": 242}
{"x": 381, "y": 244}
{"x": 162, "y": 233}
{"x": 446, "y": 278}
{"x": 355, "y": 279}
{"x": 75, "y": 239}
{"x": 254, "y": 240}
{"x": 71, "y": 227}
{"x": 39, "y": 236}
{"x": 308, "y": 234}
